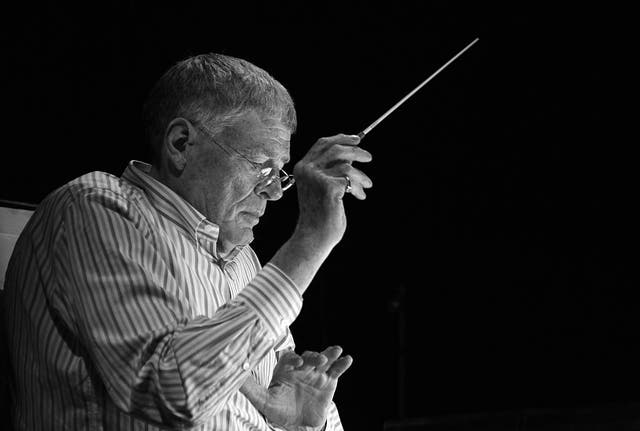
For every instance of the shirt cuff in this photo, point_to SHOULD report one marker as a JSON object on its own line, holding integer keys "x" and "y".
{"x": 275, "y": 297}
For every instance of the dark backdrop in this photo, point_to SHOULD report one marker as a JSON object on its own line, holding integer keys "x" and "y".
{"x": 490, "y": 266}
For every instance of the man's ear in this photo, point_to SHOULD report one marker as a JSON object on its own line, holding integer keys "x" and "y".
{"x": 179, "y": 136}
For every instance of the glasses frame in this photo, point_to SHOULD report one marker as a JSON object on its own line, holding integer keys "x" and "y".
{"x": 266, "y": 174}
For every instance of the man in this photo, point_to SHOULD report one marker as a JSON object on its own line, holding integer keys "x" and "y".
{"x": 137, "y": 303}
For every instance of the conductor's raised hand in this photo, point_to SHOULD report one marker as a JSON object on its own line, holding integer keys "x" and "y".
{"x": 321, "y": 178}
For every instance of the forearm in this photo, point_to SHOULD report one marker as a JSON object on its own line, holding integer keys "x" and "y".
{"x": 301, "y": 257}
{"x": 158, "y": 362}
{"x": 216, "y": 353}
{"x": 190, "y": 373}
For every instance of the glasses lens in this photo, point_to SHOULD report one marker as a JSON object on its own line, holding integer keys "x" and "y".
{"x": 266, "y": 173}
{"x": 268, "y": 178}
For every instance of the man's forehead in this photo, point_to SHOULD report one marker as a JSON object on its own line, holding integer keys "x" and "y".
{"x": 268, "y": 135}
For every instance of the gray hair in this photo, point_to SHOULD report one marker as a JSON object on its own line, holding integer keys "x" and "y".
{"x": 215, "y": 89}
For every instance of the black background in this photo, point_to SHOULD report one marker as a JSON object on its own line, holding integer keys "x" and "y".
{"x": 500, "y": 219}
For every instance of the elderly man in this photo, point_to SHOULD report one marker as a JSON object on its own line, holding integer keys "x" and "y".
{"x": 136, "y": 302}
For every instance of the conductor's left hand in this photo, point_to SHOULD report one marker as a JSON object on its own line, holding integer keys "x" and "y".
{"x": 302, "y": 387}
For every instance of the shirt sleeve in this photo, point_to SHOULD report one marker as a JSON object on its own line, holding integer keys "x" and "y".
{"x": 285, "y": 341}
{"x": 131, "y": 316}
{"x": 333, "y": 419}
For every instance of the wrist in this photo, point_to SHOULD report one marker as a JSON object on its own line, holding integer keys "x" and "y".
{"x": 314, "y": 240}
{"x": 255, "y": 393}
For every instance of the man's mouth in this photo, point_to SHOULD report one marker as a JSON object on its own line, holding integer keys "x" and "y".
{"x": 252, "y": 216}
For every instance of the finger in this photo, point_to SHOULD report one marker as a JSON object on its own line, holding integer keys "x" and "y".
{"x": 290, "y": 360}
{"x": 340, "y": 366}
{"x": 354, "y": 173}
{"x": 325, "y": 142}
{"x": 348, "y": 152}
{"x": 326, "y": 151}
{"x": 358, "y": 179}
{"x": 332, "y": 353}
{"x": 343, "y": 154}
{"x": 312, "y": 360}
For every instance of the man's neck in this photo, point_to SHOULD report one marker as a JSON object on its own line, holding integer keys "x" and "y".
{"x": 223, "y": 248}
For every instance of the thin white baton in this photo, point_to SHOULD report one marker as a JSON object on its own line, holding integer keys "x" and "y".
{"x": 404, "y": 99}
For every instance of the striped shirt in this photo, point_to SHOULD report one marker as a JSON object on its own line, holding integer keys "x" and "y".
{"x": 120, "y": 315}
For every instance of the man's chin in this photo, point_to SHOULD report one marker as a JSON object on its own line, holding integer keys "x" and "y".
{"x": 247, "y": 238}
{"x": 248, "y": 219}
{"x": 242, "y": 236}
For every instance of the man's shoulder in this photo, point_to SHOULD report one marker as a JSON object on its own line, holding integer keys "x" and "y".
{"x": 99, "y": 182}
{"x": 94, "y": 187}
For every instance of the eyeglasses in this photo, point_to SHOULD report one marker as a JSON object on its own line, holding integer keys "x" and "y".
{"x": 267, "y": 175}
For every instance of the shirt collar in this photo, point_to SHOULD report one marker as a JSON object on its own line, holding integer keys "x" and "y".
{"x": 177, "y": 210}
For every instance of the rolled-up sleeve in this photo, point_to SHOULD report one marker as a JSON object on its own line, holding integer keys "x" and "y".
{"x": 333, "y": 419}
{"x": 155, "y": 360}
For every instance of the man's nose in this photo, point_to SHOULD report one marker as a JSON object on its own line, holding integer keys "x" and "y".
{"x": 271, "y": 191}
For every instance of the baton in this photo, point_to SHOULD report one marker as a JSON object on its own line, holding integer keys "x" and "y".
{"x": 414, "y": 91}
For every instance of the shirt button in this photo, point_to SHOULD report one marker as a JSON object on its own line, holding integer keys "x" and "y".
{"x": 245, "y": 366}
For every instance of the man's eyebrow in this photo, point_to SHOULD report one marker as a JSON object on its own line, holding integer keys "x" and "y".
{"x": 276, "y": 153}
{"x": 258, "y": 154}
{"x": 285, "y": 160}
{"x": 254, "y": 153}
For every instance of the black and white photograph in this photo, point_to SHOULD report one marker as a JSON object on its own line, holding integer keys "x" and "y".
{"x": 253, "y": 216}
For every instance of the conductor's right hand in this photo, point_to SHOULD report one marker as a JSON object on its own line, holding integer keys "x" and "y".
{"x": 321, "y": 183}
